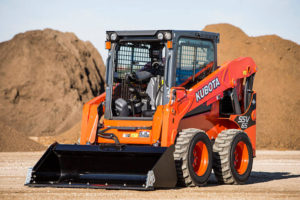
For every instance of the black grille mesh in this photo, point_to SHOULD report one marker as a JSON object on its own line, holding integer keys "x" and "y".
{"x": 131, "y": 58}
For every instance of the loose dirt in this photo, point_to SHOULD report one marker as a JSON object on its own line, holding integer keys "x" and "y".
{"x": 16, "y": 141}
{"x": 276, "y": 175}
{"x": 46, "y": 76}
{"x": 71, "y": 136}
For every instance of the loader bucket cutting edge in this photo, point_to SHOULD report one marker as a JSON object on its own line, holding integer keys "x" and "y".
{"x": 110, "y": 167}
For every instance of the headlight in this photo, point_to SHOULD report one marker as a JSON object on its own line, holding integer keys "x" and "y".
{"x": 113, "y": 36}
{"x": 107, "y": 36}
{"x": 160, "y": 36}
{"x": 168, "y": 36}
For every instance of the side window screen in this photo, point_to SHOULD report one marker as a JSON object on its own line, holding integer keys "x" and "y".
{"x": 193, "y": 57}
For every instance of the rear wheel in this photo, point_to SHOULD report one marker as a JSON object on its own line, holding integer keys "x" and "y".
{"x": 193, "y": 157}
{"x": 233, "y": 157}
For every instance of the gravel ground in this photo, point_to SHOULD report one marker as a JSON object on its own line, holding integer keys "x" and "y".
{"x": 275, "y": 175}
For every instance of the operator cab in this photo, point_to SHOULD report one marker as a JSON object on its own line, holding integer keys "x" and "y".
{"x": 138, "y": 78}
{"x": 140, "y": 68}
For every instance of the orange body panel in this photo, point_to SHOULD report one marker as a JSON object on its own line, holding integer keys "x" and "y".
{"x": 168, "y": 119}
{"x": 89, "y": 114}
{"x": 251, "y": 131}
{"x": 210, "y": 122}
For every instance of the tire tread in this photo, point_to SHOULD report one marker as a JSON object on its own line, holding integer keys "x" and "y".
{"x": 221, "y": 151}
{"x": 180, "y": 155}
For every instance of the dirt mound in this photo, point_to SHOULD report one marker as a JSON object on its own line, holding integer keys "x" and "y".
{"x": 276, "y": 82}
{"x": 46, "y": 76}
{"x": 12, "y": 140}
{"x": 70, "y": 136}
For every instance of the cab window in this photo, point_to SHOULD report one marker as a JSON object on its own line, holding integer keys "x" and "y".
{"x": 195, "y": 59}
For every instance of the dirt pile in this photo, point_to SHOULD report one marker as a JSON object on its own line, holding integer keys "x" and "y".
{"x": 46, "y": 76}
{"x": 12, "y": 140}
{"x": 277, "y": 84}
{"x": 70, "y": 136}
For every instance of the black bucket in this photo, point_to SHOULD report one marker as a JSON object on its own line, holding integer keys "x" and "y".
{"x": 111, "y": 167}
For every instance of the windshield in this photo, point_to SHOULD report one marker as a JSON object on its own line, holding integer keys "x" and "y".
{"x": 138, "y": 78}
{"x": 134, "y": 57}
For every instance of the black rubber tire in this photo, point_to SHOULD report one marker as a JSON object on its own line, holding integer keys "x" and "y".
{"x": 183, "y": 156}
{"x": 223, "y": 155}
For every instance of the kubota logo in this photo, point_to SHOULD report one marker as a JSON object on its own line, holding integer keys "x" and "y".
{"x": 203, "y": 92}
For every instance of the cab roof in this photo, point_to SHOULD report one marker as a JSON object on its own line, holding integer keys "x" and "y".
{"x": 126, "y": 34}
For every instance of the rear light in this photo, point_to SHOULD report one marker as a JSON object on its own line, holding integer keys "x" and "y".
{"x": 170, "y": 44}
{"x": 107, "y": 45}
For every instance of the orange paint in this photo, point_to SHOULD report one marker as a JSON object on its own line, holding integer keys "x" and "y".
{"x": 201, "y": 160}
{"x": 169, "y": 119}
{"x": 241, "y": 158}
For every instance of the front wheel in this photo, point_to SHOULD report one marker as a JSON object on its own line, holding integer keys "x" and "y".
{"x": 193, "y": 157}
{"x": 233, "y": 157}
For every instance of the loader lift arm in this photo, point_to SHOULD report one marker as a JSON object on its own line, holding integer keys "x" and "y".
{"x": 207, "y": 91}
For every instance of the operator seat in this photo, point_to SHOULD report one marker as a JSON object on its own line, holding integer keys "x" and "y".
{"x": 155, "y": 92}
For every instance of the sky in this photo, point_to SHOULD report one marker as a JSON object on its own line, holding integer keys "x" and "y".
{"x": 89, "y": 19}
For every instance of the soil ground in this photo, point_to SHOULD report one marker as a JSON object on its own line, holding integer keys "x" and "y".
{"x": 275, "y": 175}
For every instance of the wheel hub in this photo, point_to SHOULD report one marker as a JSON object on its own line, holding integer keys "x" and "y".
{"x": 200, "y": 161}
{"x": 241, "y": 158}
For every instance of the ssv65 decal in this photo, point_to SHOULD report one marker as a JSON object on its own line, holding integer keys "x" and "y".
{"x": 245, "y": 120}
{"x": 204, "y": 91}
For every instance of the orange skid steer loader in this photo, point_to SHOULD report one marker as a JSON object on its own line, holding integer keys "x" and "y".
{"x": 169, "y": 116}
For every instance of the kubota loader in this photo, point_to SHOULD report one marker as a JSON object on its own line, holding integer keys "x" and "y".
{"x": 169, "y": 115}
